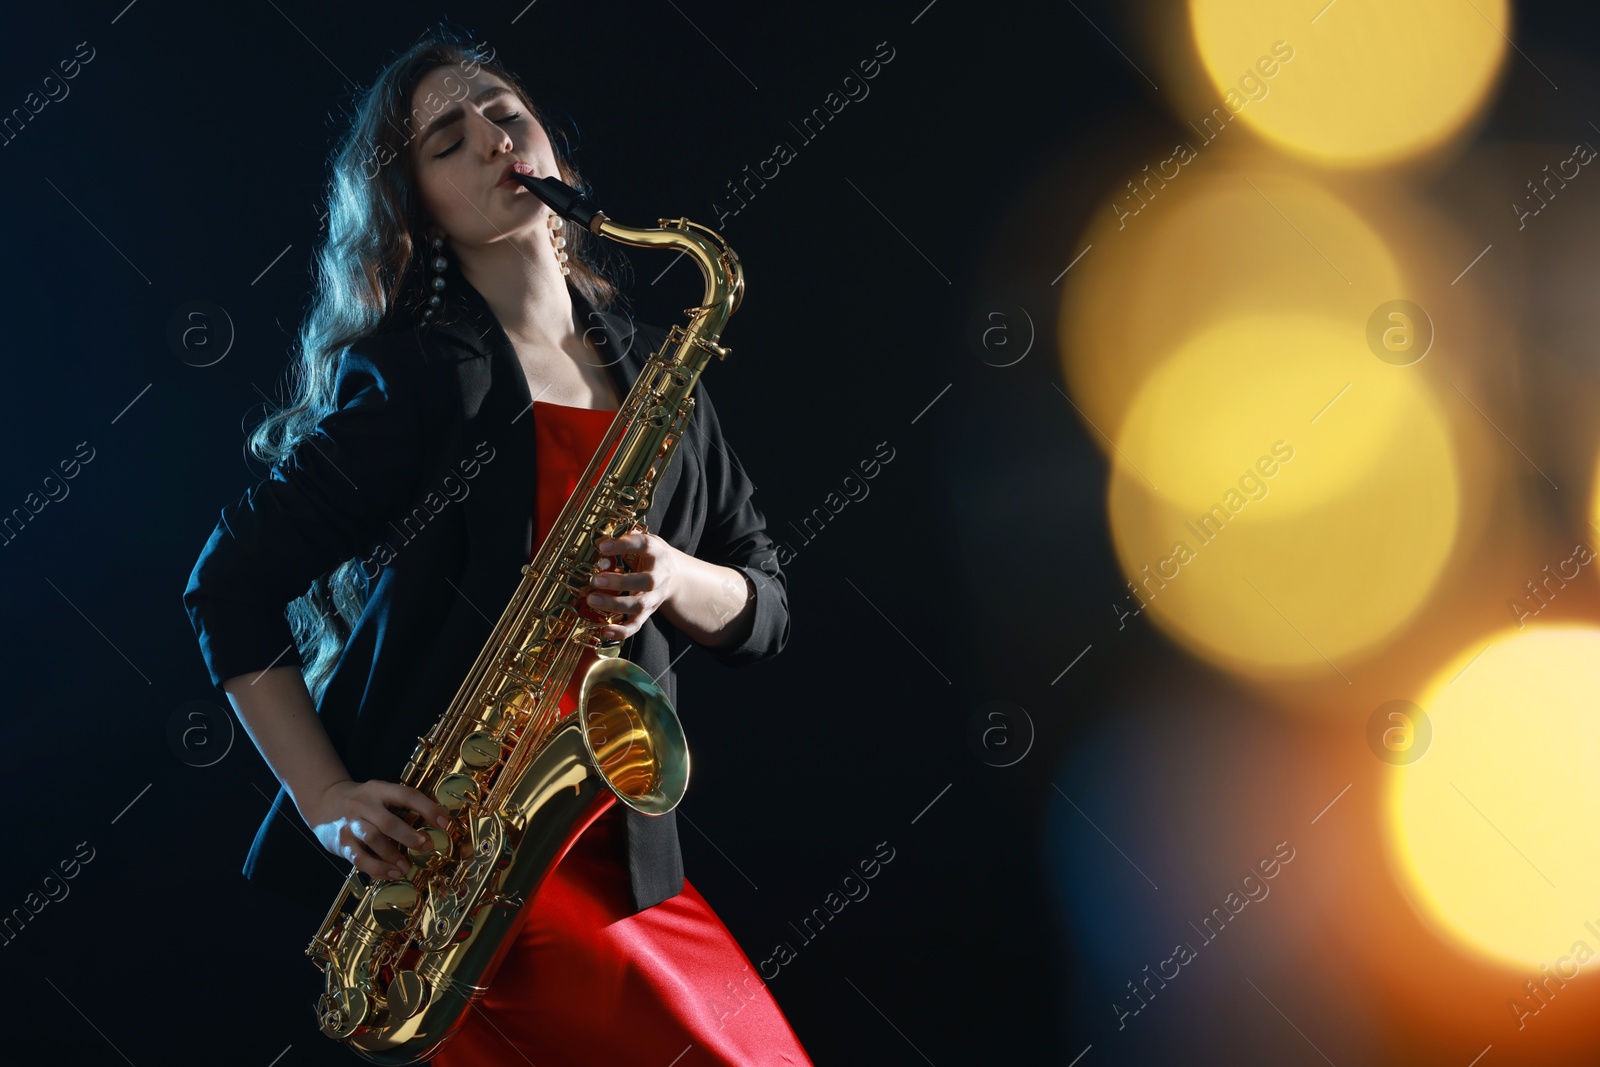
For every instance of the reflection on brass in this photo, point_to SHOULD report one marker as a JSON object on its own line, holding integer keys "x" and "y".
{"x": 480, "y": 750}
{"x": 407, "y": 994}
{"x": 454, "y": 791}
{"x": 393, "y": 903}
{"x": 434, "y": 856}
{"x": 404, "y": 960}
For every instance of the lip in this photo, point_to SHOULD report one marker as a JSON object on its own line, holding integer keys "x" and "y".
{"x": 508, "y": 179}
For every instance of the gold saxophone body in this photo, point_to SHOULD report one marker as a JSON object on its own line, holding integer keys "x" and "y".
{"x": 404, "y": 960}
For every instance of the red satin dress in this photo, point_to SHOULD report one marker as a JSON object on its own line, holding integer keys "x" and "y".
{"x": 586, "y": 983}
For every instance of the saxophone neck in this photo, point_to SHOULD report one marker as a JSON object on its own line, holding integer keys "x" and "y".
{"x": 718, "y": 263}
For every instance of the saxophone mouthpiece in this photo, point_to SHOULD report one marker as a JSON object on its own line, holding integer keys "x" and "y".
{"x": 563, "y": 199}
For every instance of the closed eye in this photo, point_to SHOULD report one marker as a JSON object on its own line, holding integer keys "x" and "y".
{"x": 515, "y": 116}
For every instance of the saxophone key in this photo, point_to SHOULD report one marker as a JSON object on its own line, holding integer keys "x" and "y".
{"x": 393, "y": 904}
{"x": 455, "y": 791}
{"x": 408, "y": 992}
{"x": 341, "y": 1013}
{"x": 436, "y": 853}
{"x": 480, "y": 750}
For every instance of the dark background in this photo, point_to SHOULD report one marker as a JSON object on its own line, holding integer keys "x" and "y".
{"x": 191, "y": 151}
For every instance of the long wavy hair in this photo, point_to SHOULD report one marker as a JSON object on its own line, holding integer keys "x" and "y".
{"x": 370, "y": 276}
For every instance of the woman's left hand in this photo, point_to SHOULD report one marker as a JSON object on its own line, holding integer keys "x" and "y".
{"x": 639, "y": 591}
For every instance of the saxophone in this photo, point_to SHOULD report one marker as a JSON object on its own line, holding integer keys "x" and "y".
{"x": 404, "y": 960}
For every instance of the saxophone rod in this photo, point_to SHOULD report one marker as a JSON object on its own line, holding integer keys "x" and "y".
{"x": 563, "y": 199}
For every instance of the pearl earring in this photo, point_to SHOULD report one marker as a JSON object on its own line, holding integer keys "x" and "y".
{"x": 438, "y": 263}
{"x": 558, "y": 242}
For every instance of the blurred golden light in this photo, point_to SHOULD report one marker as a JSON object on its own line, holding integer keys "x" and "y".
{"x": 1493, "y": 828}
{"x": 1209, "y": 247}
{"x": 1280, "y": 499}
{"x": 1594, "y": 508}
{"x": 1362, "y": 85}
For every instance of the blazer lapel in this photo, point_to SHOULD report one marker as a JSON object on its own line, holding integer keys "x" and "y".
{"x": 496, "y": 406}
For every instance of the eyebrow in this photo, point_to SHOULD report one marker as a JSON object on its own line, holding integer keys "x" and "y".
{"x": 455, "y": 114}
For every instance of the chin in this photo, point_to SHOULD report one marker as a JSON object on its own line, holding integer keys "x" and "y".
{"x": 525, "y": 225}
{"x": 521, "y": 204}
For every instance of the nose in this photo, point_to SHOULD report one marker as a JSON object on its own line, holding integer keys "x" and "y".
{"x": 500, "y": 141}
{"x": 496, "y": 137}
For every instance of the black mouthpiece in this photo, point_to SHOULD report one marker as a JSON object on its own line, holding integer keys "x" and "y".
{"x": 563, "y": 199}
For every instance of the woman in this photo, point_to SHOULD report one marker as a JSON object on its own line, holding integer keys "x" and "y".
{"x": 457, "y": 372}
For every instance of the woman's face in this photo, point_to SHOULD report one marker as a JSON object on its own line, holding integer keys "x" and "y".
{"x": 469, "y": 130}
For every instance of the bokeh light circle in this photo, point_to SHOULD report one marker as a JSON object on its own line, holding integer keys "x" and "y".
{"x": 1364, "y": 84}
{"x": 1245, "y": 241}
{"x": 1493, "y": 833}
{"x": 1280, "y": 500}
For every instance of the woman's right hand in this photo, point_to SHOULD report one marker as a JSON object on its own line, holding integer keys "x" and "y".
{"x": 354, "y": 821}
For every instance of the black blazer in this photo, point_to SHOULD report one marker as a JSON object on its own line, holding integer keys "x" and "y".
{"x": 426, "y": 473}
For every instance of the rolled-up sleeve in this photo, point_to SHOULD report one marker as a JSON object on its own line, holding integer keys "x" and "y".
{"x": 735, "y": 535}
{"x": 320, "y": 506}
